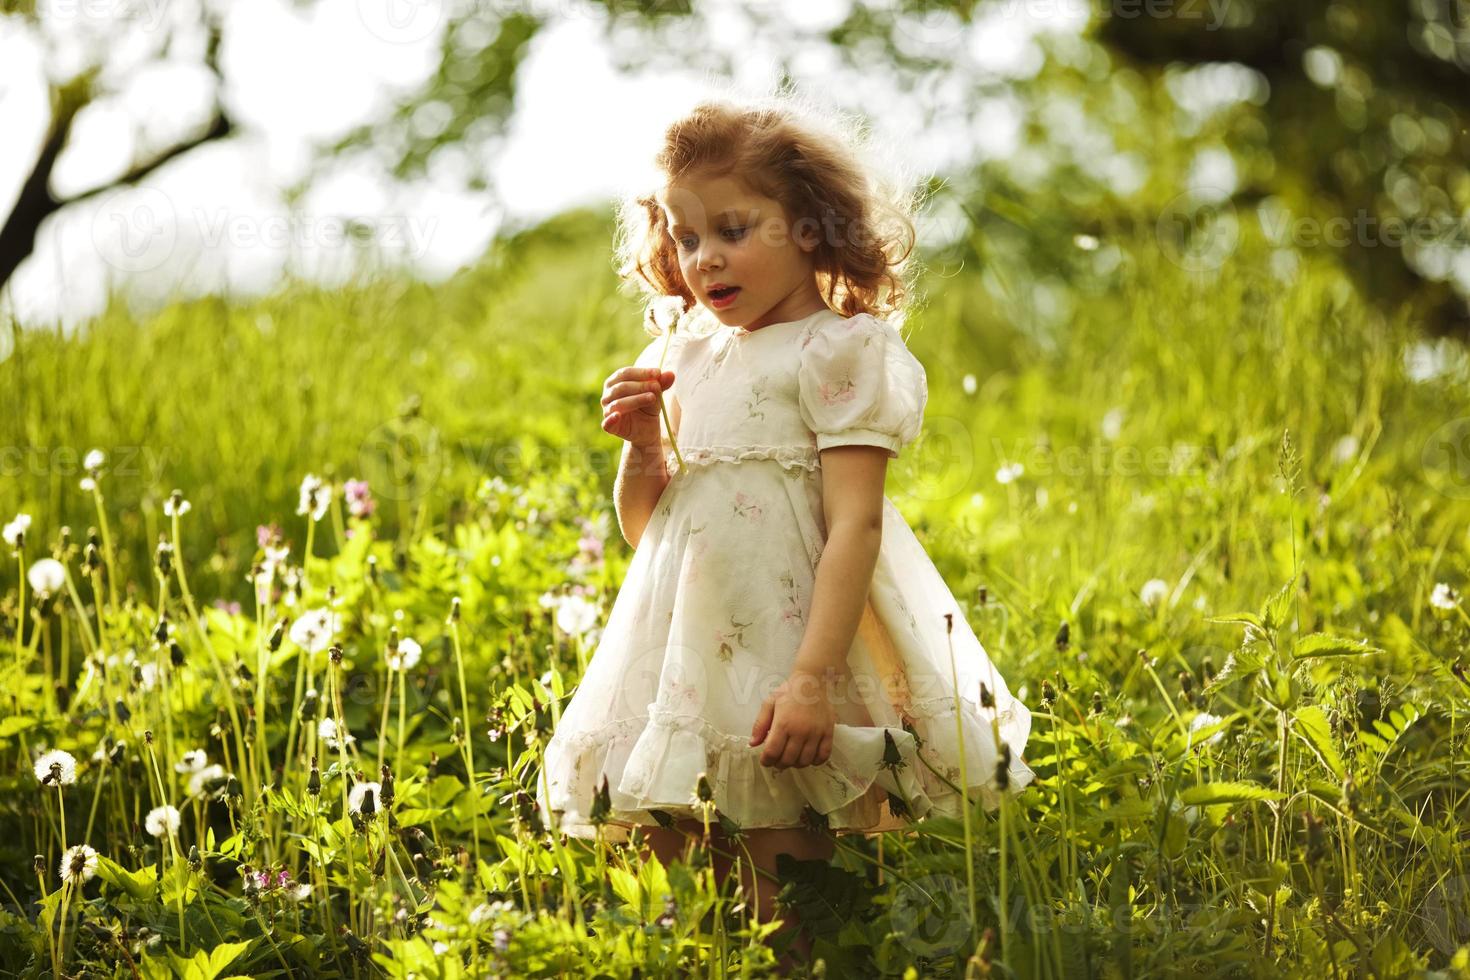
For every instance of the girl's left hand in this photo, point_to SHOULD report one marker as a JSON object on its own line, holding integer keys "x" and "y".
{"x": 799, "y": 718}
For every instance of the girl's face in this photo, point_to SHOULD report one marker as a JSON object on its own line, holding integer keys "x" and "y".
{"x": 726, "y": 235}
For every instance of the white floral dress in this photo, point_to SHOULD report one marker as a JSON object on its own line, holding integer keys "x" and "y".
{"x": 717, "y": 596}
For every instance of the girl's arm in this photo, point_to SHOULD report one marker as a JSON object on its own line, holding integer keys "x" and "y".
{"x": 852, "y": 497}
{"x": 642, "y": 476}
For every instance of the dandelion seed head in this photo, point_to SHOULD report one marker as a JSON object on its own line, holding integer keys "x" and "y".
{"x": 78, "y": 865}
{"x": 15, "y": 530}
{"x": 47, "y": 577}
{"x": 162, "y": 820}
{"x": 406, "y": 656}
{"x": 57, "y": 767}
{"x": 1154, "y": 592}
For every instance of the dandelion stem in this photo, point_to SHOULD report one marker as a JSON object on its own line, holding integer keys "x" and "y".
{"x": 20, "y": 620}
{"x": 469, "y": 746}
{"x": 226, "y": 691}
{"x": 959, "y": 731}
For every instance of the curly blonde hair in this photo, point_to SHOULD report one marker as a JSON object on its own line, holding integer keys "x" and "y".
{"x": 787, "y": 148}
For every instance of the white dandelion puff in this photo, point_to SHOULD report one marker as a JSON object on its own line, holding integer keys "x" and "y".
{"x": 316, "y": 497}
{"x": 406, "y": 656}
{"x": 16, "y": 529}
{"x": 57, "y": 767}
{"x": 94, "y": 460}
{"x": 1444, "y": 597}
{"x": 192, "y": 761}
{"x": 1009, "y": 472}
{"x": 1154, "y": 592}
{"x": 162, "y": 820}
{"x": 361, "y": 793}
{"x": 1203, "y": 719}
{"x": 47, "y": 577}
{"x": 199, "y": 783}
{"x": 327, "y": 730}
{"x": 78, "y": 865}
{"x": 314, "y": 629}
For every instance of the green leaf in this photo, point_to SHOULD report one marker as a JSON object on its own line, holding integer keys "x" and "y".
{"x": 1322, "y": 645}
{"x": 16, "y": 724}
{"x": 1227, "y": 793}
{"x": 1239, "y": 619}
{"x": 1243, "y": 661}
{"x": 1274, "y": 612}
{"x": 138, "y": 884}
{"x": 1311, "y": 725}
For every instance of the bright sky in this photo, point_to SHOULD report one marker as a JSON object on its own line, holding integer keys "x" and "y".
{"x": 213, "y": 220}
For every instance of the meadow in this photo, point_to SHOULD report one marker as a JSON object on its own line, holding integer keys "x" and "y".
{"x": 281, "y": 655}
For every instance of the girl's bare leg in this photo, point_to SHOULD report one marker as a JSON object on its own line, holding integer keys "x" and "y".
{"x": 764, "y": 845}
{"x": 670, "y": 844}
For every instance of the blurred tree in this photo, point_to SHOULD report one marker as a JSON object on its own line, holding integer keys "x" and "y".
{"x": 36, "y": 201}
{"x": 1368, "y": 110}
{"x": 1352, "y": 110}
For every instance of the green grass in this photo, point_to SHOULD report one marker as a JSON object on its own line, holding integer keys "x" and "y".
{"x": 1330, "y": 807}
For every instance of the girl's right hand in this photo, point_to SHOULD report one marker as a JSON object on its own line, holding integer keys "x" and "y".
{"x": 630, "y": 405}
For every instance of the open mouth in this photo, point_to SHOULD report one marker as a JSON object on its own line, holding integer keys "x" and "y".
{"x": 724, "y": 292}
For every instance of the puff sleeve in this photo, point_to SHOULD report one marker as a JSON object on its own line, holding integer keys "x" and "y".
{"x": 860, "y": 385}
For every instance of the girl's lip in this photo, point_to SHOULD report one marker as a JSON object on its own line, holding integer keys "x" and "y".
{"x": 721, "y": 302}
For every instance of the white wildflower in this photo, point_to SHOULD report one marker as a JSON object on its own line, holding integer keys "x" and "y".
{"x": 316, "y": 497}
{"x": 57, "y": 767}
{"x": 1112, "y": 423}
{"x": 47, "y": 577}
{"x": 162, "y": 820}
{"x": 314, "y": 630}
{"x": 149, "y": 674}
{"x": 406, "y": 656}
{"x": 300, "y": 892}
{"x": 94, "y": 460}
{"x": 87, "y": 483}
{"x": 1444, "y": 597}
{"x": 968, "y": 384}
{"x": 192, "y": 761}
{"x": 78, "y": 865}
{"x": 1345, "y": 449}
{"x": 1154, "y": 592}
{"x": 16, "y": 529}
{"x": 171, "y": 509}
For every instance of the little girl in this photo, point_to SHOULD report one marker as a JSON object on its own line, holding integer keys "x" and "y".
{"x": 783, "y": 650}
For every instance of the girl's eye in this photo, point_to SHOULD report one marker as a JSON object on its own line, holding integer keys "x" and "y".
{"x": 735, "y": 233}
